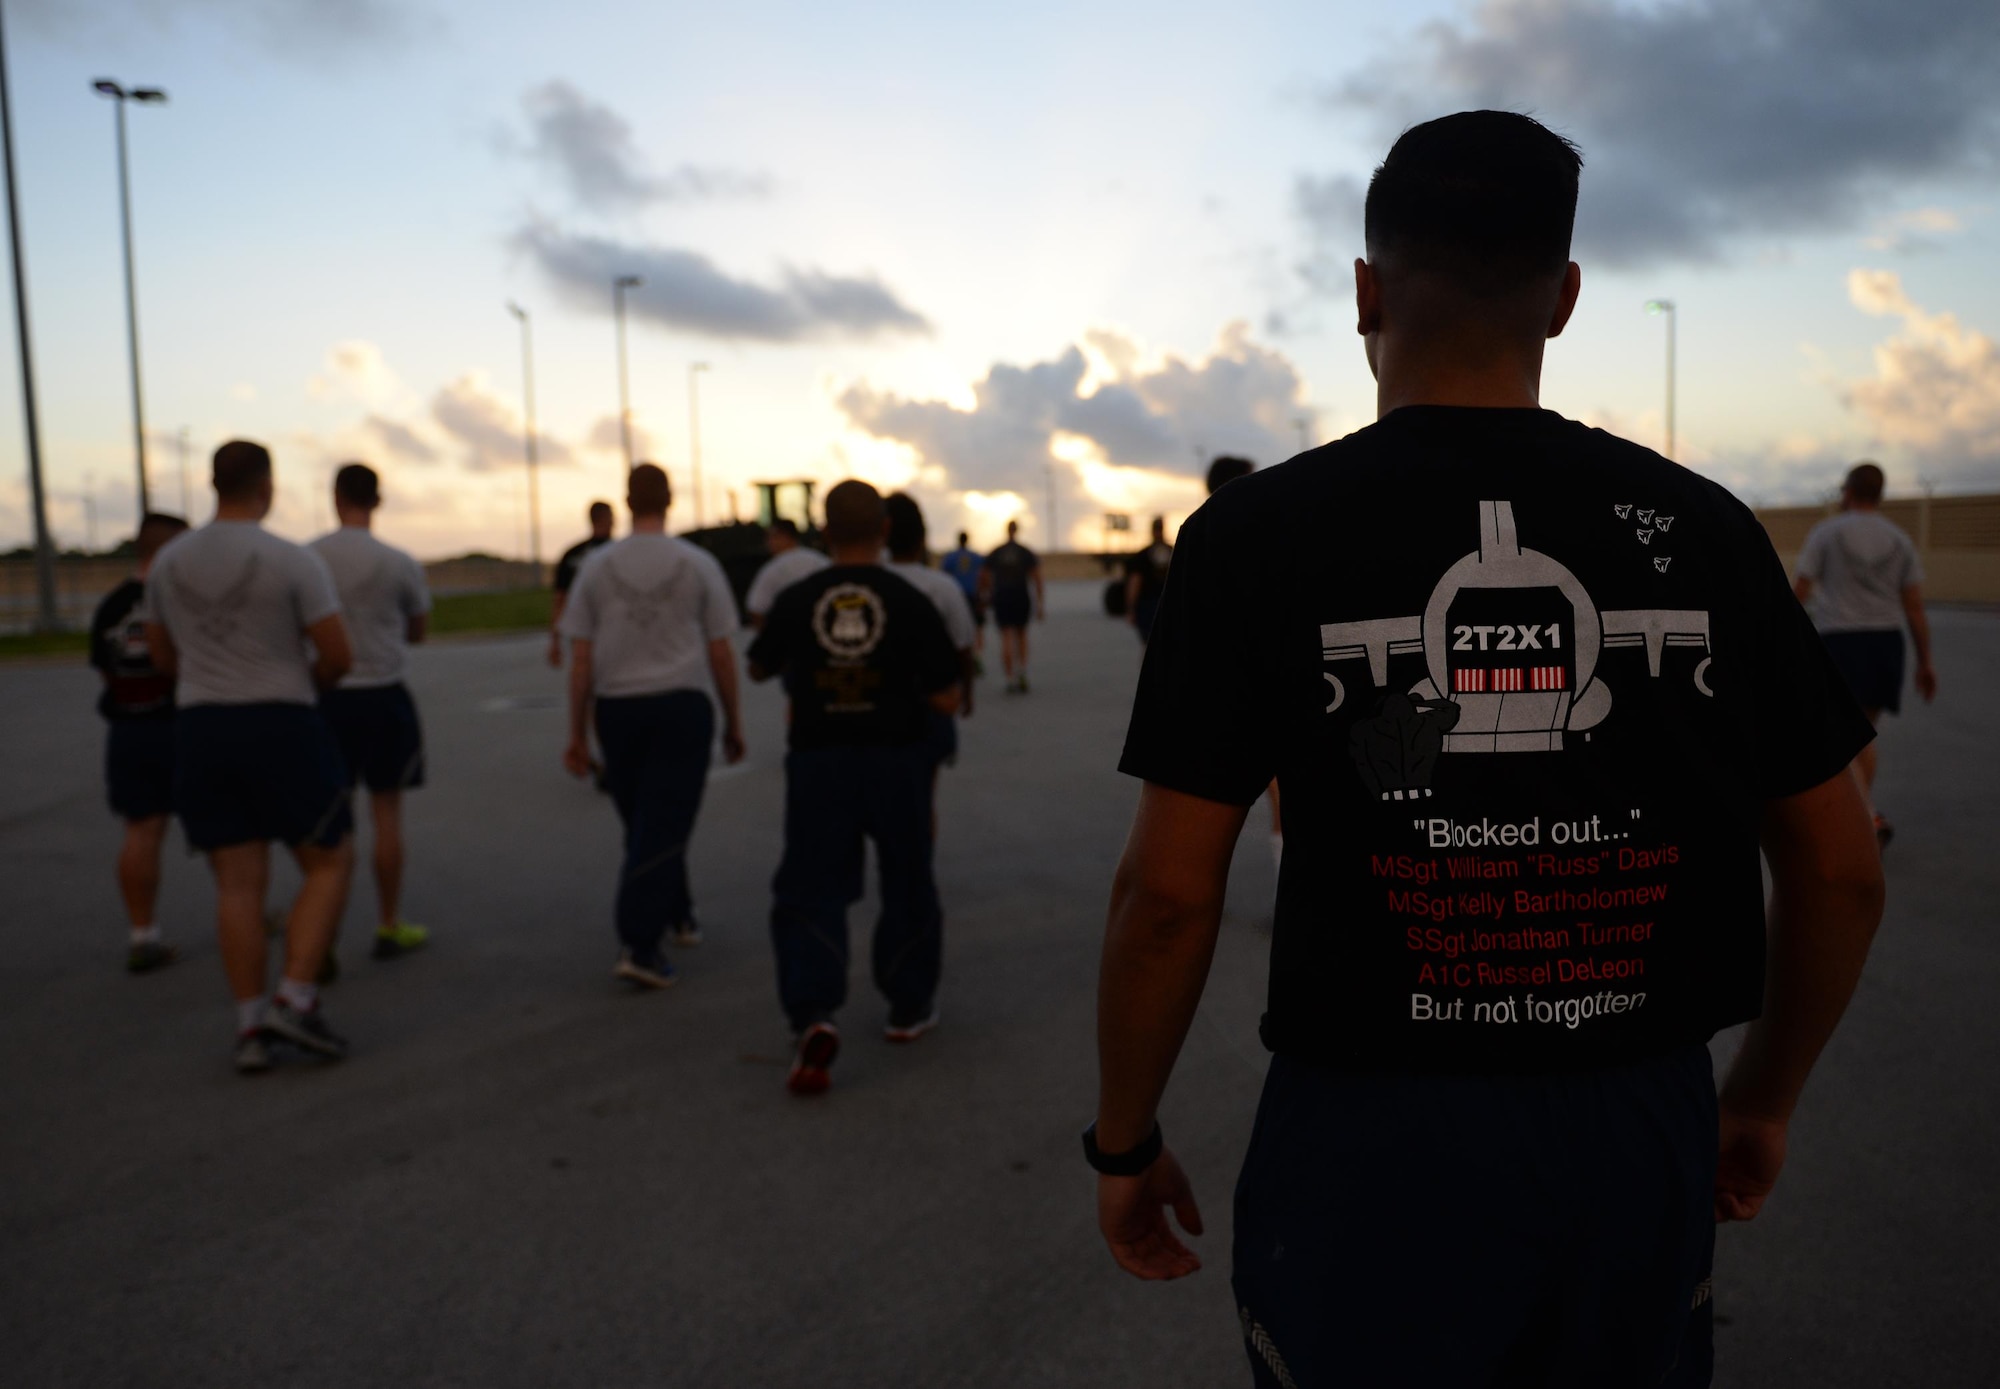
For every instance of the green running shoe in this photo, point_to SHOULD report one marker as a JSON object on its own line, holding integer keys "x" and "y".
{"x": 399, "y": 939}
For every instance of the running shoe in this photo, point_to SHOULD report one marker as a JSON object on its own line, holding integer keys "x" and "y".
{"x": 1024, "y": 683}
{"x": 253, "y": 1053}
{"x": 329, "y": 968}
{"x": 399, "y": 939}
{"x": 654, "y": 973}
{"x": 308, "y": 1030}
{"x": 1884, "y": 832}
{"x": 812, "y": 1068}
{"x": 906, "y": 1025}
{"x": 688, "y": 933}
{"x": 147, "y": 956}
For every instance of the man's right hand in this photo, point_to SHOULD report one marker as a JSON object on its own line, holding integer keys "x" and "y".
{"x": 1750, "y": 1153}
{"x": 576, "y": 758}
{"x": 1132, "y": 1214}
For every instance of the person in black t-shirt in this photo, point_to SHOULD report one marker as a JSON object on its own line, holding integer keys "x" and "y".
{"x": 1146, "y": 580}
{"x": 1535, "y": 695}
{"x": 1011, "y": 581}
{"x": 865, "y": 660}
{"x": 601, "y": 518}
{"x": 138, "y": 706}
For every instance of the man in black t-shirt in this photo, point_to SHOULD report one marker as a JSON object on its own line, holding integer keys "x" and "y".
{"x": 1146, "y": 580}
{"x": 138, "y": 706}
{"x": 1534, "y": 695}
{"x": 865, "y": 660}
{"x": 1011, "y": 581}
{"x": 567, "y": 568}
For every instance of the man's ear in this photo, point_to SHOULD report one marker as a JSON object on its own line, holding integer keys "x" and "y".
{"x": 1367, "y": 298}
{"x": 1572, "y": 286}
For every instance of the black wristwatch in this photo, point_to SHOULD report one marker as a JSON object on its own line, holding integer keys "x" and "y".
{"x": 1123, "y": 1164}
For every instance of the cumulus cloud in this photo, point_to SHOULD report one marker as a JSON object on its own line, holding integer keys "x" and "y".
{"x": 590, "y": 148}
{"x": 1115, "y": 429}
{"x": 1706, "y": 120}
{"x": 1935, "y": 395}
{"x": 399, "y": 440}
{"x": 485, "y": 430}
{"x": 304, "y": 31}
{"x": 684, "y": 289}
{"x": 354, "y": 370}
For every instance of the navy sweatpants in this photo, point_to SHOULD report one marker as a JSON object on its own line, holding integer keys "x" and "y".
{"x": 1471, "y": 1231}
{"x": 835, "y": 798}
{"x": 656, "y": 750}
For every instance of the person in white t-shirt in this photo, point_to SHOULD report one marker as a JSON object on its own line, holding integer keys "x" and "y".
{"x": 909, "y": 558}
{"x": 1861, "y": 581}
{"x": 388, "y": 604}
{"x": 649, "y": 622}
{"x": 249, "y": 627}
{"x": 791, "y": 560}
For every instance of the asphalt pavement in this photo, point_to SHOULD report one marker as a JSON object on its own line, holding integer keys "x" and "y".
{"x": 526, "y": 1176}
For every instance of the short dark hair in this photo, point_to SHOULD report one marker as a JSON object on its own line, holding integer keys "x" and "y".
{"x": 854, "y": 513}
{"x": 156, "y": 528}
{"x": 647, "y": 490}
{"x": 1483, "y": 200}
{"x": 1228, "y": 468}
{"x": 357, "y": 485}
{"x": 240, "y": 467}
{"x": 907, "y": 532}
{"x": 785, "y": 525}
{"x": 1864, "y": 483}
{"x": 601, "y": 510}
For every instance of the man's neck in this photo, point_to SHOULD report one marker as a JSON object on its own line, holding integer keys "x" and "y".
{"x": 648, "y": 525}
{"x": 864, "y": 554}
{"x": 238, "y": 511}
{"x": 916, "y": 558}
{"x": 1408, "y": 375}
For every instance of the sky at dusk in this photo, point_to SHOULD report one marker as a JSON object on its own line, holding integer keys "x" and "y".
{"x": 995, "y": 257}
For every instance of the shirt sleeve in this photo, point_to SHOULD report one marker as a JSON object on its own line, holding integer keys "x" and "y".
{"x": 758, "y": 599}
{"x": 417, "y": 595}
{"x": 579, "y": 616}
{"x": 1806, "y": 725}
{"x": 1913, "y": 564}
{"x": 718, "y": 603}
{"x": 958, "y": 616}
{"x": 313, "y": 588}
{"x": 1205, "y": 716}
{"x": 1812, "y": 555}
{"x": 937, "y": 663}
{"x": 101, "y": 622}
{"x": 772, "y": 648}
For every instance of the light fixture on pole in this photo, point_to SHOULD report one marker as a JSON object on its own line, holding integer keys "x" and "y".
{"x": 46, "y": 618}
{"x": 1666, "y": 306}
{"x": 104, "y": 86}
{"x": 618, "y": 288}
{"x": 695, "y": 369}
{"x": 528, "y": 398}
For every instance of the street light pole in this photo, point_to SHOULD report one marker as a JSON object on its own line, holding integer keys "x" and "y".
{"x": 1666, "y": 307}
{"x": 46, "y": 619}
{"x": 119, "y": 95}
{"x": 695, "y": 369}
{"x": 618, "y": 288}
{"x": 528, "y": 396}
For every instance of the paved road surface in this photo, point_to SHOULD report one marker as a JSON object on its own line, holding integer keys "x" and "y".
{"x": 525, "y": 1177}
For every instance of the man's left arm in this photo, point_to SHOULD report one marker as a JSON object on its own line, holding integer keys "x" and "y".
{"x": 1166, "y": 910}
{"x": 576, "y": 754}
{"x": 1920, "y": 637}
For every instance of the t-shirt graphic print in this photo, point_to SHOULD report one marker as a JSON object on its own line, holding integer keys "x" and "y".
{"x": 1526, "y": 689}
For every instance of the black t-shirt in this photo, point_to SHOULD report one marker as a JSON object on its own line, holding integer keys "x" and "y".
{"x": 1010, "y": 566}
{"x": 859, "y": 649}
{"x": 1150, "y": 566}
{"x": 134, "y": 687}
{"x": 1526, "y": 688}
{"x": 572, "y": 560}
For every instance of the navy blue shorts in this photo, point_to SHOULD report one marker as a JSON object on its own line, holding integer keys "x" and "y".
{"x": 1872, "y": 665}
{"x": 380, "y": 739}
{"x": 139, "y": 767}
{"x": 245, "y": 773}
{"x": 1548, "y": 1230}
{"x": 1012, "y": 607}
{"x": 940, "y": 738}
